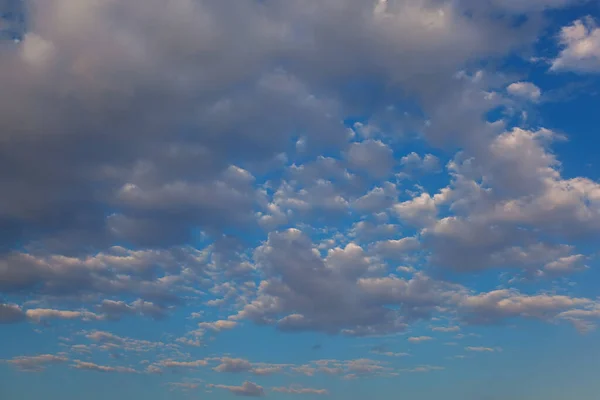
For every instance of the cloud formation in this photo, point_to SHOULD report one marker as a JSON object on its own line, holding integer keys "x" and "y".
{"x": 248, "y": 388}
{"x": 340, "y": 167}
{"x": 581, "y": 47}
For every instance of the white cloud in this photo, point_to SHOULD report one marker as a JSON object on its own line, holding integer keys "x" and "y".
{"x": 581, "y": 47}
{"x": 185, "y": 141}
{"x": 526, "y": 90}
{"x": 396, "y": 248}
{"x": 218, "y": 326}
{"x": 298, "y": 389}
{"x": 533, "y": 5}
{"x": 414, "y": 163}
{"x": 419, "y": 211}
{"x": 36, "y": 363}
{"x": 303, "y": 291}
{"x": 480, "y": 349}
{"x": 248, "y": 388}
{"x": 11, "y": 313}
{"x": 445, "y": 328}
{"x": 419, "y": 339}
{"x": 371, "y": 156}
{"x": 502, "y": 199}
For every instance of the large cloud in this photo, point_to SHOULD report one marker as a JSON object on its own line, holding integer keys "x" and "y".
{"x": 501, "y": 197}
{"x": 303, "y": 291}
{"x": 134, "y": 132}
{"x": 119, "y": 108}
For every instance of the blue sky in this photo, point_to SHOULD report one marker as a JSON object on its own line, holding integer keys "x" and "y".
{"x": 300, "y": 199}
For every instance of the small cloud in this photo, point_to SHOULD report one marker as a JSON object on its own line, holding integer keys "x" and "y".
{"x": 525, "y": 90}
{"x": 248, "y": 388}
{"x": 445, "y": 328}
{"x": 297, "y": 389}
{"x": 419, "y": 339}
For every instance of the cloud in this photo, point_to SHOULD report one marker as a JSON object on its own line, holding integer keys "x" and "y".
{"x": 39, "y": 314}
{"x": 413, "y": 163}
{"x": 186, "y": 386}
{"x": 115, "y": 310}
{"x": 218, "y": 326}
{"x": 115, "y": 271}
{"x": 377, "y": 199}
{"x": 371, "y": 156}
{"x": 482, "y": 349}
{"x": 36, "y": 363}
{"x": 419, "y": 339}
{"x": 134, "y": 129}
{"x": 89, "y": 366}
{"x": 445, "y": 328}
{"x": 423, "y": 368}
{"x": 297, "y": 389}
{"x": 396, "y": 248}
{"x": 303, "y": 291}
{"x": 580, "y": 43}
{"x": 233, "y": 365}
{"x": 534, "y": 5}
{"x": 500, "y": 305}
{"x": 526, "y": 90}
{"x": 11, "y": 313}
{"x": 111, "y": 342}
{"x": 496, "y": 222}
{"x": 127, "y": 97}
{"x": 183, "y": 364}
{"x": 249, "y": 389}
{"x": 566, "y": 265}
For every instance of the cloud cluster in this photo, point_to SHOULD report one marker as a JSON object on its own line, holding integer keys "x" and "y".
{"x": 303, "y": 291}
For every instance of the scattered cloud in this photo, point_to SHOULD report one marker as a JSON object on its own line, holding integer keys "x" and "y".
{"x": 248, "y": 388}
{"x": 482, "y": 349}
{"x": 526, "y": 90}
{"x": 11, "y": 313}
{"x": 297, "y": 389}
{"x": 419, "y": 339}
{"x": 352, "y": 175}
{"x": 36, "y": 363}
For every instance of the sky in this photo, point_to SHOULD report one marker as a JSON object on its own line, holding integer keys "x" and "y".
{"x": 299, "y": 199}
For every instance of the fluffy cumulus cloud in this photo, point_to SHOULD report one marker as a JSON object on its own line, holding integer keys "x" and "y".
{"x": 339, "y": 167}
{"x": 580, "y": 43}
{"x": 502, "y": 196}
{"x": 304, "y": 291}
{"x": 526, "y": 90}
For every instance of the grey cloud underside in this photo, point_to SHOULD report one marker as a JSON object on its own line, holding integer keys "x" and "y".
{"x": 134, "y": 125}
{"x": 166, "y": 99}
